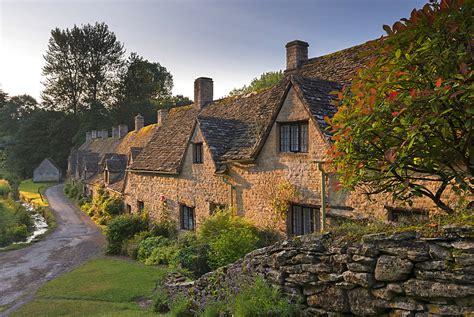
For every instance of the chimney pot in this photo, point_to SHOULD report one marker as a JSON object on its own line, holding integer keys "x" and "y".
{"x": 161, "y": 116}
{"x": 88, "y": 136}
{"x": 122, "y": 130}
{"x": 203, "y": 92}
{"x": 139, "y": 122}
{"x": 105, "y": 134}
{"x": 296, "y": 54}
{"x": 94, "y": 134}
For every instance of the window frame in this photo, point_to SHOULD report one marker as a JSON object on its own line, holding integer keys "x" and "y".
{"x": 140, "y": 205}
{"x": 198, "y": 153}
{"x": 183, "y": 225}
{"x": 301, "y": 128}
{"x": 296, "y": 212}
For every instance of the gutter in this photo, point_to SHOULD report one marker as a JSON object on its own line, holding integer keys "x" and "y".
{"x": 151, "y": 172}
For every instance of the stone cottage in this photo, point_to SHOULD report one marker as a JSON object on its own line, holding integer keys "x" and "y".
{"x": 249, "y": 153}
{"x": 47, "y": 171}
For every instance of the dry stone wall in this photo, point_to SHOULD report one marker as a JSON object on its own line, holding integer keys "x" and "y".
{"x": 392, "y": 275}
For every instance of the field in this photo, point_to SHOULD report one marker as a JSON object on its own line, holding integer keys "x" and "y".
{"x": 107, "y": 286}
{"x": 33, "y": 192}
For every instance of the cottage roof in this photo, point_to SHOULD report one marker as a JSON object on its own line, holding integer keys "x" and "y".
{"x": 117, "y": 163}
{"x": 164, "y": 153}
{"x": 235, "y": 128}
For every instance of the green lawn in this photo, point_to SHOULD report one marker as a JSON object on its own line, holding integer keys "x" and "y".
{"x": 106, "y": 286}
{"x": 29, "y": 192}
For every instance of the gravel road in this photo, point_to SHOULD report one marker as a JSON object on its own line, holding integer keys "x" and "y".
{"x": 75, "y": 239}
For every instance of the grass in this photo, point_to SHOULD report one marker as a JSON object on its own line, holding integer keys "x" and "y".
{"x": 107, "y": 286}
{"x": 34, "y": 192}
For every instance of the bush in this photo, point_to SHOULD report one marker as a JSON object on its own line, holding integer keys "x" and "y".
{"x": 122, "y": 228}
{"x": 72, "y": 190}
{"x": 231, "y": 245}
{"x": 261, "y": 299}
{"x": 229, "y": 238}
{"x": 130, "y": 246}
{"x": 162, "y": 254}
{"x": 146, "y": 247}
{"x": 191, "y": 255}
{"x": 103, "y": 207}
{"x": 181, "y": 307}
{"x": 160, "y": 302}
{"x": 168, "y": 229}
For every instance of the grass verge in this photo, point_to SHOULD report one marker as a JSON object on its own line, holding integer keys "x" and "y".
{"x": 107, "y": 286}
{"x": 33, "y": 193}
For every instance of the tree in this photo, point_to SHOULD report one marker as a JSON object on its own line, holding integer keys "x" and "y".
{"x": 13, "y": 110}
{"x": 407, "y": 119}
{"x": 145, "y": 80}
{"x": 40, "y": 135}
{"x": 82, "y": 67}
{"x": 265, "y": 80}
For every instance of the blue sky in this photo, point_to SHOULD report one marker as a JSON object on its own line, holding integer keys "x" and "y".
{"x": 230, "y": 41}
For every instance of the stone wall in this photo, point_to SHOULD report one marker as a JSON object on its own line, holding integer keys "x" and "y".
{"x": 396, "y": 275}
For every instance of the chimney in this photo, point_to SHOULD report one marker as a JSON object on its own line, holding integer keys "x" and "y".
{"x": 94, "y": 134}
{"x": 88, "y": 136}
{"x": 139, "y": 122}
{"x": 161, "y": 116}
{"x": 122, "y": 130}
{"x": 105, "y": 134}
{"x": 296, "y": 54}
{"x": 115, "y": 132}
{"x": 203, "y": 91}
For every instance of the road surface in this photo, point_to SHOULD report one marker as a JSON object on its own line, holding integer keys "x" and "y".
{"x": 75, "y": 239}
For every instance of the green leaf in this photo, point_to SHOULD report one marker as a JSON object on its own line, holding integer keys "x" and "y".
{"x": 398, "y": 53}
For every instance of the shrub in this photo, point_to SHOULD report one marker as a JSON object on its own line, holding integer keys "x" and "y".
{"x": 130, "y": 246}
{"x": 168, "y": 229}
{"x": 161, "y": 302}
{"x": 191, "y": 255}
{"x": 231, "y": 245}
{"x": 229, "y": 238}
{"x": 162, "y": 254}
{"x": 146, "y": 247}
{"x": 261, "y": 299}
{"x": 181, "y": 307}
{"x": 216, "y": 309}
{"x": 122, "y": 228}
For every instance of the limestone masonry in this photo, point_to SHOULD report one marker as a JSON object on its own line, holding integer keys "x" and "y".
{"x": 384, "y": 275}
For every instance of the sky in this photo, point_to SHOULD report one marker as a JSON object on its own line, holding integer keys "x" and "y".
{"x": 231, "y": 41}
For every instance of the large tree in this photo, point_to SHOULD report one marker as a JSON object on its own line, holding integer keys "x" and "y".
{"x": 82, "y": 67}
{"x": 407, "y": 119}
{"x": 265, "y": 80}
{"x": 145, "y": 80}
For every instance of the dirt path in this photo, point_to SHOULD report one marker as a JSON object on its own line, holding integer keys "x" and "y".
{"x": 75, "y": 240}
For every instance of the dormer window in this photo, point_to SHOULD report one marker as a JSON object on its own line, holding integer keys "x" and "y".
{"x": 197, "y": 153}
{"x": 294, "y": 137}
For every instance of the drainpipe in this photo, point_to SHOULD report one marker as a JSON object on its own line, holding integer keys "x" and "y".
{"x": 224, "y": 179}
{"x": 323, "y": 194}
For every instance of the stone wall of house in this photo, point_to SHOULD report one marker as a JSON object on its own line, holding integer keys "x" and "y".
{"x": 396, "y": 275}
{"x": 46, "y": 172}
{"x": 251, "y": 188}
{"x": 196, "y": 186}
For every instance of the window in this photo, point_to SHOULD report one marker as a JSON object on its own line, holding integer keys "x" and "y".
{"x": 294, "y": 137}
{"x": 197, "y": 153}
{"x": 129, "y": 208}
{"x": 140, "y": 205}
{"x": 213, "y": 207}
{"x": 187, "y": 217}
{"x": 406, "y": 215}
{"x": 302, "y": 220}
